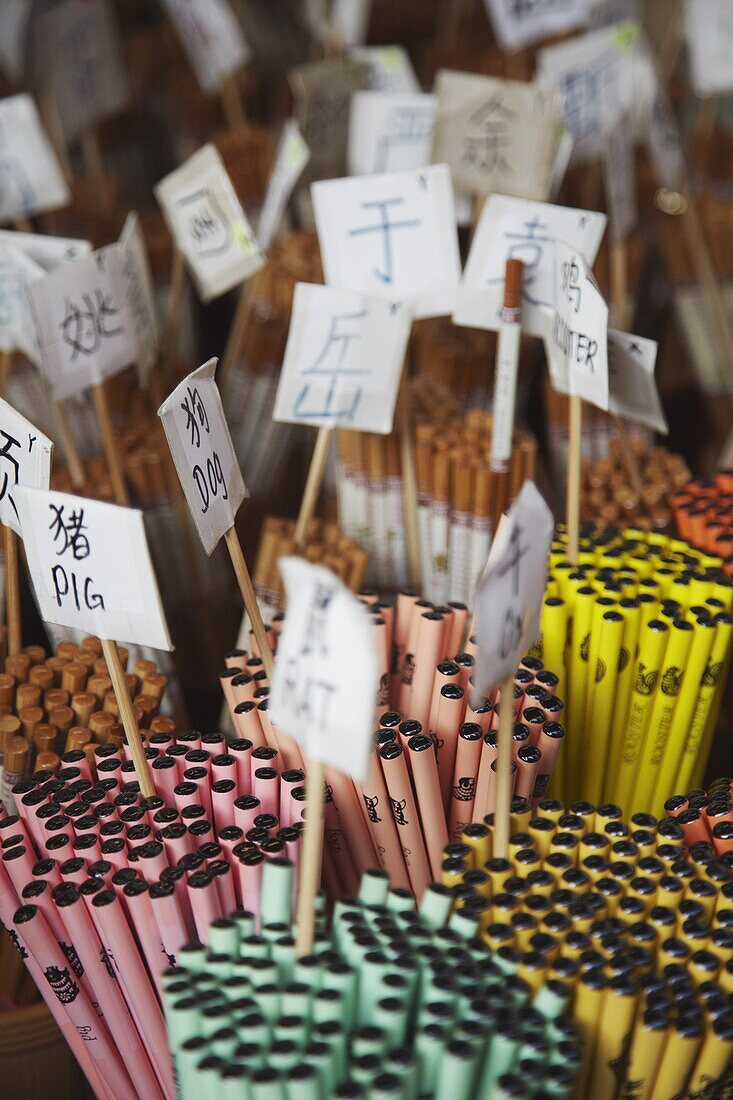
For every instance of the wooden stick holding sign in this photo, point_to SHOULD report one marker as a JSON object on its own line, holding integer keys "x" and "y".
{"x": 323, "y": 696}
{"x": 28, "y": 455}
{"x": 313, "y": 482}
{"x": 206, "y": 464}
{"x": 409, "y": 484}
{"x": 508, "y": 603}
{"x": 505, "y": 386}
{"x": 111, "y": 450}
{"x": 91, "y": 570}
{"x": 68, "y": 446}
{"x": 578, "y": 359}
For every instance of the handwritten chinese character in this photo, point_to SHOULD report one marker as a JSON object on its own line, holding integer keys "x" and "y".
{"x": 489, "y": 136}
{"x": 6, "y": 453}
{"x": 207, "y": 224}
{"x": 70, "y": 531}
{"x": 407, "y": 126}
{"x": 331, "y": 363}
{"x": 196, "y": 416}
{"x": 527, "y": 246}
{"x": 384, "y": 227}
{"x": 85, "y": 327}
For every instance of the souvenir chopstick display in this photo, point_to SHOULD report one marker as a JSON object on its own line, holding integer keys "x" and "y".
{"x": 458, "y": 496}
{"x": 391, "y": 1003}
{"x": 632, "y": 917}
{"x": 57, "y": 710}
{"x": 434, "y": 765}
{"x": 608, "y": 497}
{"x": 325, "y": 543}
{"x": 702, "y": 513}
{"x": 649, "y": 616}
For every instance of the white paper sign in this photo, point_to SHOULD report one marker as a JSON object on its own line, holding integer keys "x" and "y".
{"x": 350, "y": 19}
{"x": 496, "y": 135}
{"x": 292, "y": 157}
{"x": 31, "y": 180}
{"x": 84, "y": 322}
{"x": 212, "y": 38}
{"x": 140, "y": 295}
{"x": 343, "y": 359}
{"x": 326, "y": 670}
{"x": 25, "y": 459}
{"x": 512, "y": 228}
{"x": 632, "y": 389}
{"x": 619, "y": 181}
{"x": 578, "y": 347}
{"x": 14, "y": 18}
{"x": 203, "y": 454}
{"x": 47, "y": 252}
{"x": 509, "y": 597}
{"x": 390, "y": 68}
{"x": 709, "y": 34}
{"x": 663, "y": 142}
{"x": 518, "y": 23}
{"x": 90, "y": 567}
{"x": 208, "y": 224}
{"x": 389, "y": 132}
{"x": 600, "y": 75}
{"x": 17, "y": 324}
{"x": 391, "y": 236}
{"x": 79, "y": 62}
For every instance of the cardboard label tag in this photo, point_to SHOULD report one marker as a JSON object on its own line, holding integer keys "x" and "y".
{"x": 391, "y": 236}
{"x": 510, "y": 594}
{"x": 577, "y": 351}
{"x": 212, "y": 38}
{"x": 90, "y": 567}
{"x": 389, "y": 132}
{"x": 203, "y": 453}
{"x": 343, "y": 360}
{"x": 84, "y": 322}
{"x": 208, "y": 224}
{"x": 632, "y": 389}
{"x": 326, "y": 671}
{"x": 25, "y": 459}
{"x": 511, "y": 228}
{"x": 496, "y": 135}
{"x": 31, "y": 180}
{"x": 292, "y": 157}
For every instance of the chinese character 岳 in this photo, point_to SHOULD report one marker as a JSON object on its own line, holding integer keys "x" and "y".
{"x": 331, "y": 364}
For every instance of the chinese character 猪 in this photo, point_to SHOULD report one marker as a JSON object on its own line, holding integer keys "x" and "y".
{"x": 70, "y": 531}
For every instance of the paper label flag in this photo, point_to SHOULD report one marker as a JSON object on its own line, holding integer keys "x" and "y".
{"x": 496, "y": 135}
{"x": 512, "y": 228}
{"x": 208, "y": 224}
{"x": 391, "y": 236}
{"x": 25, "y": 459}
{"x": 509, "y": 597}
{"x": 343, "y": 360}
{"x": 90, "y": 567}
{"x": 203, "y": 453}
{"x": 326, "y": 670}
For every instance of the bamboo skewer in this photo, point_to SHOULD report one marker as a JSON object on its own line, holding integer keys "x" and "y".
{"x": 111, "y": 451}
{"x": 310, "y": 859}
{"x": 313, "y": 484}
{"x": 572, "y": 504}
{"x": 73, "y": 458}
{"x": 504, "y": 771}
{"x": 127, "y": 714}
{"x": 12, "y": 591}
{"x": 250, "y": 600}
